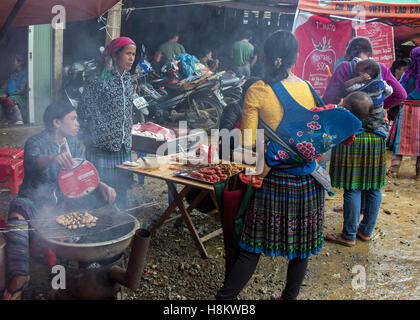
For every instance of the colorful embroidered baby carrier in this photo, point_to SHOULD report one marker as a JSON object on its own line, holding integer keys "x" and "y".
{"x": 375, "y": 88}
{"x": 308, "y": 133}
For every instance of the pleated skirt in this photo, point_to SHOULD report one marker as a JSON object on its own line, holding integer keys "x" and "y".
{"x": 361, "y": 165}
{"x": 106, "y": 162}
{"x": 285, "y": 217}
{"x": 407, "y": 140}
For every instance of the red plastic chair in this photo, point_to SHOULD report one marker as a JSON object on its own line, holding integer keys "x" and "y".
{"x": 11, "y": 173}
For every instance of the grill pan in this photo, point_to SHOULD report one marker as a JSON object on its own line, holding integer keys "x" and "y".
{"x": 111, "y": 235}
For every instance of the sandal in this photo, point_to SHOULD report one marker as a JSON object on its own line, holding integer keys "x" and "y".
{"x": 252, "y": 180}
{"x": 335, "y": 238}
{"x": 338, "y": 209}
{"x": 20, "y": 290}
{"x": 362, "y": 237}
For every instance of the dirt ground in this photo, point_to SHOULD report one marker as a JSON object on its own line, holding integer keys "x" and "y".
{"x": 174, "y": 269}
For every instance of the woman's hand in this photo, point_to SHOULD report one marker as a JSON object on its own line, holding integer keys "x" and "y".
{"x": 107, "y": 192}
{"x": 3, "y": 96}
{"x": 64, "y": 159}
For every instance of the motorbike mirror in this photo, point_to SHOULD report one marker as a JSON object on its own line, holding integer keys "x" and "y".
{"x": 101, "y": 49}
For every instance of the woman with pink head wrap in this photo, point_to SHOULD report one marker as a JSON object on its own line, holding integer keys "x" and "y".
{"x": 106, "y": 116}
{"x": 111, "y": 53}
{"x": 407, "y": 138}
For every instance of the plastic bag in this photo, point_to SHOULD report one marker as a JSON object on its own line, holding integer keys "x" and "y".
{"x": 187, "y": 63}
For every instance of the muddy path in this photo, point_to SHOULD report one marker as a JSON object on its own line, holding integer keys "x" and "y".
{"x": 175, "y": 270}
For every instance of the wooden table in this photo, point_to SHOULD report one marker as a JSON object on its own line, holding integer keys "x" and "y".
{"x": 165, "y": 173}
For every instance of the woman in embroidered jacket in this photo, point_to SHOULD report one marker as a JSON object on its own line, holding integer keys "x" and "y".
{"x": 106, "y": 116}
{"x": 286, "y": 215}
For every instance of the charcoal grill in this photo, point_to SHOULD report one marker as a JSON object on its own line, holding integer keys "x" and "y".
{"x": 110, "y": 237}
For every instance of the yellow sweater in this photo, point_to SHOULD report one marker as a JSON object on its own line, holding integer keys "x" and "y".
{"x": 260, "y": 100}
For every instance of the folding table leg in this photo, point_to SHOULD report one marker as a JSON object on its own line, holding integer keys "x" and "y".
{"x": 213, "y": 197}
{"x": 169, "y": 210}
{"x": 197, "y": 200}
{"x": 188, "y": 221}
{"x": 191, "y": 207}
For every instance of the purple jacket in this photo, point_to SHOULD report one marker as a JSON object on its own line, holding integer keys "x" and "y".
{"x": 335, "y": 89}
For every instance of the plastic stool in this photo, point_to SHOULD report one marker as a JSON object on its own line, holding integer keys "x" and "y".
{"x": 11, "y": 173}
{"x": 11, "y": 153}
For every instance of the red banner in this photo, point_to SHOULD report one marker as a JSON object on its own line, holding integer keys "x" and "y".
{"x": 394, "y": 11}
{"x": 321, "y": 44}
{"x": 382, "y": 38}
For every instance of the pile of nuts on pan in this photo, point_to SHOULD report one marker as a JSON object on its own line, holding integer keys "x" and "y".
{"x": 77, "y": 220}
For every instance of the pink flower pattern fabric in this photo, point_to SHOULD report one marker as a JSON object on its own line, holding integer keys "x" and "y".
{"x": 307, "y": 149}
{"x": 309, "y": 133}
{"x": 314, "y": 125}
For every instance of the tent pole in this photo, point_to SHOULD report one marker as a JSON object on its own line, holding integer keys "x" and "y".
{"x": 10, "y": 19}
{"x": 58, "y": 38}
{"x": 113, "y": 23}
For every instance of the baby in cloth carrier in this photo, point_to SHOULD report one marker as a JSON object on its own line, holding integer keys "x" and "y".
{"x": 358, "y": 103}
{"x": 368, "y": 78}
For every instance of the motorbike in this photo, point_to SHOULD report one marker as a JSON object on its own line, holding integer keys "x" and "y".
{"x": 163, "y": 101}
{"x": 75, "y": 77}
{"x": 231, "y": 87}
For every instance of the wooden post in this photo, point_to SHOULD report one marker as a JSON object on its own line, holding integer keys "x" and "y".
{"x": 58, "y": 63}
{"x": 113, "y": 25}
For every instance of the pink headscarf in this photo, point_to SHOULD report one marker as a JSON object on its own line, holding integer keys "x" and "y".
{"x": 413, "y": 70}
{"x": 110, "y": 49}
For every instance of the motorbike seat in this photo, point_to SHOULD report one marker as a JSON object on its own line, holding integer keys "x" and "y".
{"x": 228, "y": 79}
{"x": 173, "y": 88}
{"x": 229, "y": 82}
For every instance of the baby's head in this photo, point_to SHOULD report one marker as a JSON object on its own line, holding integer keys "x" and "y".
{"x": 358, "y": 103}
{"x": 369, "y": 66}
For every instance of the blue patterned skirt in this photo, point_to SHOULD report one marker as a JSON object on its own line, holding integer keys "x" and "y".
{"x": 286, "y": 217}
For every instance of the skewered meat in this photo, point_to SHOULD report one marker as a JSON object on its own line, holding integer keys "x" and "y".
{"x": 76, "y": 220}
{"x": 216, "y": 173}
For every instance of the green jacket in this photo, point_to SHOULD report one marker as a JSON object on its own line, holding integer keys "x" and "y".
{"x": 170, "y": 50}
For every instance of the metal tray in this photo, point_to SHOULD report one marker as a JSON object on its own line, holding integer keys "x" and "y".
{"x": 187, "y": 174}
